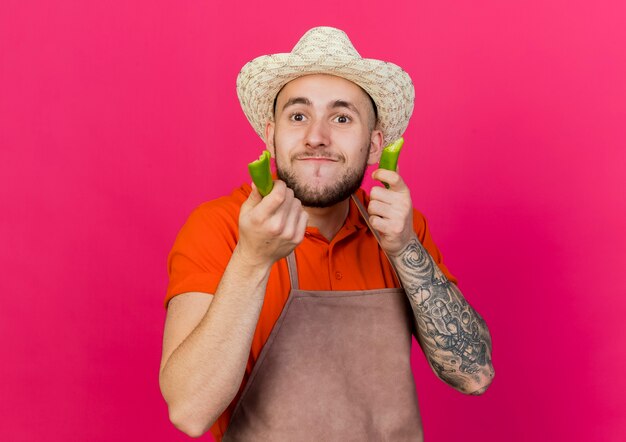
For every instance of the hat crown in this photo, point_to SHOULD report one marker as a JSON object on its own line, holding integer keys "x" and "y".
{"x": 326, "y": 40}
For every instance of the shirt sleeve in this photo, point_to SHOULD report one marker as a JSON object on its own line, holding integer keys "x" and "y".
{"x": 202, "y": 250}
{"x": 420, "y": 226}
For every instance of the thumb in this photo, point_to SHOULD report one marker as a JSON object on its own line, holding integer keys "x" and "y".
{"x": 255, "y": 197}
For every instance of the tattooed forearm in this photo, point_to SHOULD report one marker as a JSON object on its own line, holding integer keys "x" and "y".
{"x": 453, "y": 335}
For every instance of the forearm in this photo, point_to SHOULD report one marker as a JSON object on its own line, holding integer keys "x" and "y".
{"x": 454, "y": 337}
{"x": 203, "y": 374}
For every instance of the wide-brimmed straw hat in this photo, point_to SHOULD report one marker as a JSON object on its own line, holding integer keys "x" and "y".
{"x": 326, "y": 50}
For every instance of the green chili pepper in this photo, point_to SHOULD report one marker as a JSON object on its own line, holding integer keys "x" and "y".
{"x": 261, "y": 174}
{"x": 389, "y": 157}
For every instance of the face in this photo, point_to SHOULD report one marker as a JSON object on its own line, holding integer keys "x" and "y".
{"x": 323, "y": 138}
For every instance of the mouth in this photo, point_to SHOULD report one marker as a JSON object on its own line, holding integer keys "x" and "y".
{"x": 318, "y": 159}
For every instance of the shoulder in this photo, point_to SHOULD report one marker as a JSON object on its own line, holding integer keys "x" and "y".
{"x": 211, "y": 220}
{"x": 419, "y": 221}
{"x": 224, "y": 209}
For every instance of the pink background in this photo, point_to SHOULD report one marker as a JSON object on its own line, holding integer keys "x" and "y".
{"x": 118, "y": 118}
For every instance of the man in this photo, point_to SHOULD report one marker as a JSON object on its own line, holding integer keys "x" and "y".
{"x": 286, "y": 320}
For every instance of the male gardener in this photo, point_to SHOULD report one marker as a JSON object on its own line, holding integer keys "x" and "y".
{"x": 290, "y": 316}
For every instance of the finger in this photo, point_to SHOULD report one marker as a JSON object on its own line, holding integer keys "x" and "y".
{"x": 379, "y": 208}
{"x": 303, "y": 220}
{"x": 274, "y": 200}
{"x": 279, "y": 219}
{"x": 377, "y": 223}
{"x": 385, "y": 226}
{"x": 292, "y": 215}
{"x": 253, "y": 199}
{"x": 395, "y": 181}
{"x": 394, "y": 198}
{"x": 379, "y": 193}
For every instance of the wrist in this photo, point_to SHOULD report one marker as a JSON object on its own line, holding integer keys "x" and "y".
{"x": 250, "y": 264}
{"x": 408, "y": 244}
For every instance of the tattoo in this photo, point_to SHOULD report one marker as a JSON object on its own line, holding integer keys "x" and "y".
{"x": 454, "y": 336}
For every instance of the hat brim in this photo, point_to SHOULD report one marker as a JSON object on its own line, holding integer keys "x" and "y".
{"x": 390, "y": 87}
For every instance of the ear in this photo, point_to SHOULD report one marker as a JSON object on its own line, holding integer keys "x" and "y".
{"x": 376, "y": 147}
{"x": 269, "y": 137}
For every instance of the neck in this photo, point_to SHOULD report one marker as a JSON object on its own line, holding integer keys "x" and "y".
{"x": 328, "y": 220}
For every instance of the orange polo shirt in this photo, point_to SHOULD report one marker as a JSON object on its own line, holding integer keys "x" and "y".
{"x": 352, "y": 260}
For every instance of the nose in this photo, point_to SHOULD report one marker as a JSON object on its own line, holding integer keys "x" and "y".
{"x": 317, "y": 135}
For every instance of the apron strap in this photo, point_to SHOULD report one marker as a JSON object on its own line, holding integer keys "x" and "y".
{"x": 366, "y": 217}
{"x": 293, "y": 270}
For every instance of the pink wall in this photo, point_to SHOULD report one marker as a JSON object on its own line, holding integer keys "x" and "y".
{"x": 118, "y": 118}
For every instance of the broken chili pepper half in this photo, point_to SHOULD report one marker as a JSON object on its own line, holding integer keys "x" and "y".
{"x": 261, "y": 174}
{"x": 389, "y": 157}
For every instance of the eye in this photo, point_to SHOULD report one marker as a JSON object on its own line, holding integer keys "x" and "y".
{"x": 298, "y": 117}
{"x": 343, "y": 119}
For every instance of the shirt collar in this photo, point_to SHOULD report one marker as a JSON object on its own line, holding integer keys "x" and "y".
{"x": 354, "y": 221}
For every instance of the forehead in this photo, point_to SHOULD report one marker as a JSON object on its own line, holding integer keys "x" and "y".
{"x": 323, "y": 87}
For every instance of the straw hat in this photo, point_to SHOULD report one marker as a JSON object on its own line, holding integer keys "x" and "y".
{"x": 326, "y": 50}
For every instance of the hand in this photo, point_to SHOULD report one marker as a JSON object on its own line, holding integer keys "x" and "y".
{"x": 391, "y": 211}
{"x": 271, "y": 227}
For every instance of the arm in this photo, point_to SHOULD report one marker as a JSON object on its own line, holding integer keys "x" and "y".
{"x": 207, "y": 338}
{"x": 454, "y": 337}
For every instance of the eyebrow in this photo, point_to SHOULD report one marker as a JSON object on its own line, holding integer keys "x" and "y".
{"x": 346, "y": 104}
{"x": 297, "y": 100}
